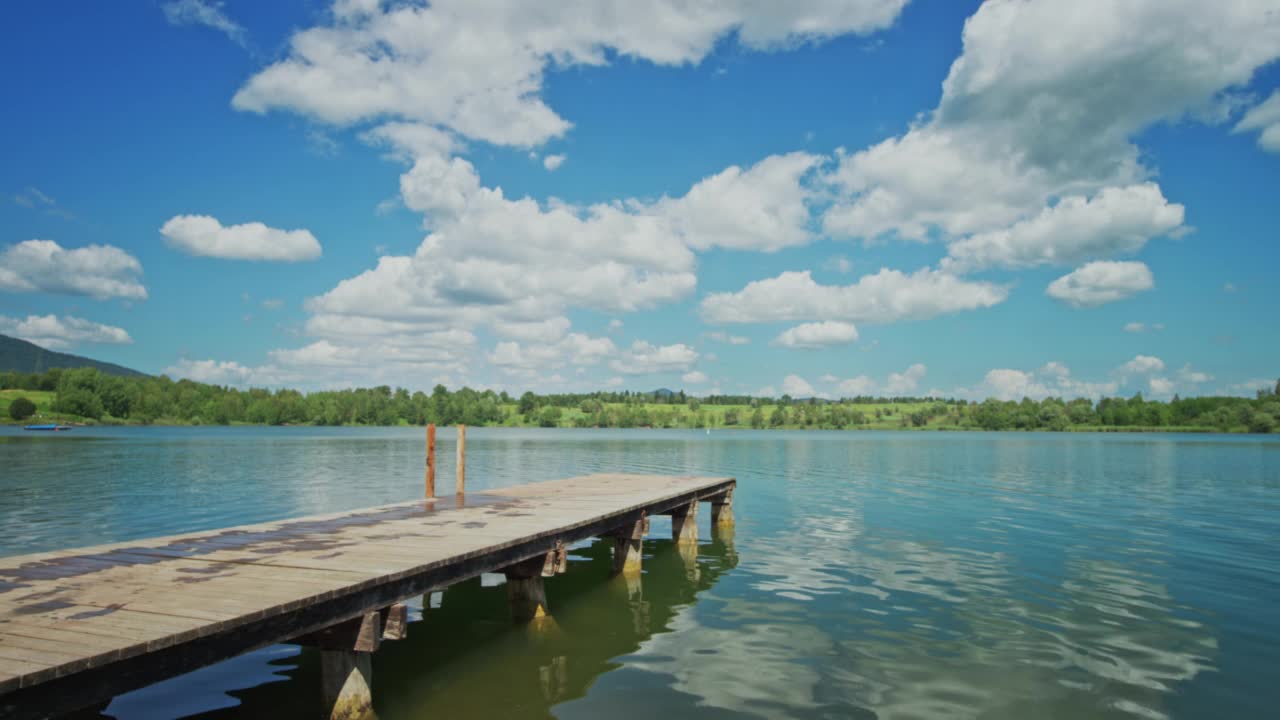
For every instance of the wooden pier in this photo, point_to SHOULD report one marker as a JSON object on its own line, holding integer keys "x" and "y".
{"x": 78, "y": 627}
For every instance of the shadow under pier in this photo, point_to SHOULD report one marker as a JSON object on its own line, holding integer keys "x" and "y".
{"x": 466, "y": 658}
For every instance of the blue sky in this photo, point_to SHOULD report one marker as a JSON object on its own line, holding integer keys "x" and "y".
{"x": 1052, "y": 199}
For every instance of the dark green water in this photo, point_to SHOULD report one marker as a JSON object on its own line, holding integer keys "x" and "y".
{"x": 891, "y": 575}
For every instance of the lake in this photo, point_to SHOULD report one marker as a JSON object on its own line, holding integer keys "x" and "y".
{"x": 890, "y": 575}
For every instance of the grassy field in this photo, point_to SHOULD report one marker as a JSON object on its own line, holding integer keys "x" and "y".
{"x": 43, "y": 401}
{"x": 44, "y": 410}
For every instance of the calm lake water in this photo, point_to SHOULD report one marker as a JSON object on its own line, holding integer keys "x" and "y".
{"x": 890, "y": 575}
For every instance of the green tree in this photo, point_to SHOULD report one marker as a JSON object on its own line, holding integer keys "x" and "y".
{"x": 80, "y": 401}
{"x": 1261, "y": 422}
{"x": 528, "y": 403}
{"x": 116, "y": 399}
{"x": 21, "y": 408}
{"x": 549, "y": 417}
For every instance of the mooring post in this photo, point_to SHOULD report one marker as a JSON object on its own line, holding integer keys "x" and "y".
{"x": 462, "y": 458}
{"x": 722, "y": 511}
{"x": 684, "y": 524}
{"x": 628, "y": 542}
{"x": 431, "y": 460}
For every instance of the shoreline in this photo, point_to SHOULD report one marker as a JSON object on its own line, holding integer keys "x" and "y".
{"x": 1134, "y": 429}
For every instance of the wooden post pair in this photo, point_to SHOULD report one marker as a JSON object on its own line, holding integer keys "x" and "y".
{"x": 431, "y": 459}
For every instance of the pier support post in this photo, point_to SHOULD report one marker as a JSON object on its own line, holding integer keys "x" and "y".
{"x": 525, "y": 592}
{"x": 684, "y": 524}
{"x": 395, "y": 622}
{"x": 722, "y": 510}
{"x": 346, "y": 660}
{"x": 628, "y": 542}
{"x": 346, "y": 678}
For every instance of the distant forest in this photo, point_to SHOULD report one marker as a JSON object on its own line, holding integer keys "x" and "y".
{"x": 88, "y": 395}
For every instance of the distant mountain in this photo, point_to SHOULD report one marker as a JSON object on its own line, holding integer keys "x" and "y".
{"x": 28, "y": 357}
{"x": 663, "y": 393}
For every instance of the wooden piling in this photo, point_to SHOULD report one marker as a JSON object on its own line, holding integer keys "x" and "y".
{"x": 525, "y": 592}
{"x": 346, "y": 662}
{"x": 684, "y": 524}
{"x": 462, "y": 458}
{"x": 627, "y": 547}
{"x": 431, "y": 460}
{"x": 722, "y": 511}
{"x": 346, "y": 677}
{"x": 395, "y": 622}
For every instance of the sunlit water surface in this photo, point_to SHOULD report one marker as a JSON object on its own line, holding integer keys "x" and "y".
{"x": 890, "y": 575}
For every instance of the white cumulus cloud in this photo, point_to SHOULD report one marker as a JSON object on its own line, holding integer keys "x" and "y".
{"x": 1051, "y": 380}
{"x": 204, "y": 236}
{"x": 796, "y": 386}
{"x": 694, "y": 377}
{"x": 1118, "y": 220}
{"x": 763, "y": 207}
{"x": 817, "y": 335}
{"x": 1034, "y": 130}
{"x": 58, "y": 333}
{"x": 1264, "y": 118}
{"x": 99, "y": 271}
{"x": 1101, "y": 282}
{"x": 895, "y": 384}
{"x": 1143, "y": 365}
{"x": 1192, "y": 376}
{"x": 517, "y": 265}
{"x": 574, "y": 348}
{"x": 885, "y": 297}
{"x": 213, "y": 372}
{"x": 553, "y": 162}
{"x": 478, "y": 68}
{"x": 644, "y": 358}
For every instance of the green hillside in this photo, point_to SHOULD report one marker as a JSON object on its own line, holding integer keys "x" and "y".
{"x": 22, "y": 356}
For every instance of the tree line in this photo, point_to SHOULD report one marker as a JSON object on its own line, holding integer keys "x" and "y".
{"x": 89, "y": 394}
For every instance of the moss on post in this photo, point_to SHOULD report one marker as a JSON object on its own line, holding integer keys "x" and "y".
{"x": 346, "y": 677}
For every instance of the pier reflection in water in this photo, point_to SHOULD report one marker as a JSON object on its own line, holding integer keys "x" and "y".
{"x": 464, "y": 657}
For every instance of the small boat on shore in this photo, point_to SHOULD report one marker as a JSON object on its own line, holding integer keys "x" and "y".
{"x": 47, "y": 428}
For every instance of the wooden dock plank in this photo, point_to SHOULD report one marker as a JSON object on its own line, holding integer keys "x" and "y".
{"x": 112, "y": 617}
